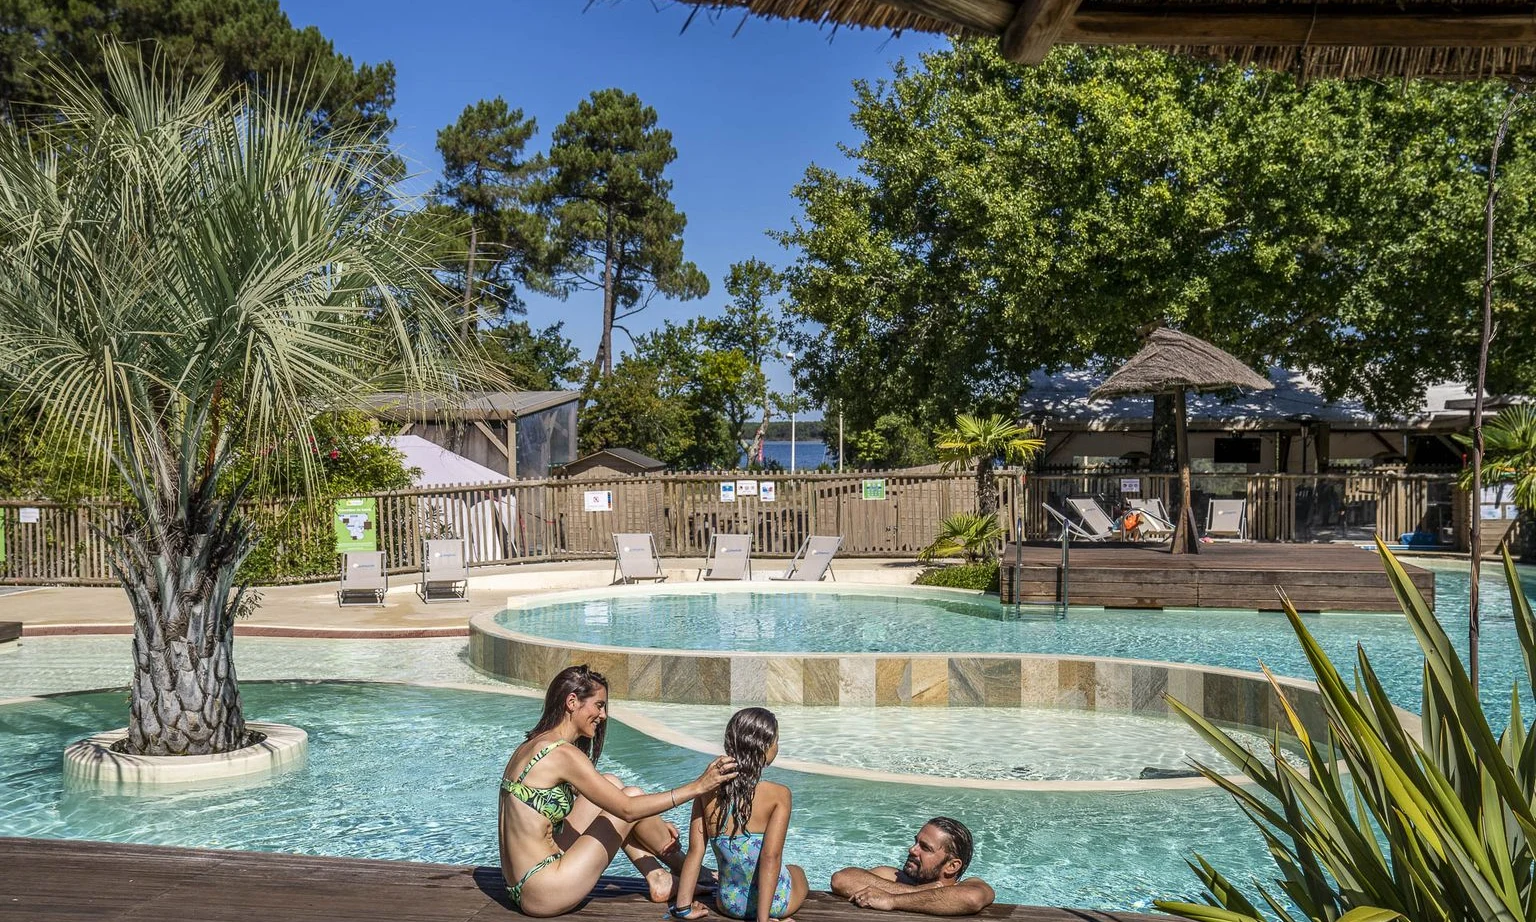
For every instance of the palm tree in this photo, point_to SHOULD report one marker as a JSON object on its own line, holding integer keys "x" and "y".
{"x": 982, "y": 442}
{"x": 966, "y": 535}
{"x": 191, "y": 276}
{"x": 1510, "y": 444}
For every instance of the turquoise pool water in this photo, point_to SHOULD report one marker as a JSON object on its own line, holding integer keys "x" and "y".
{"x": 408, "y": 772}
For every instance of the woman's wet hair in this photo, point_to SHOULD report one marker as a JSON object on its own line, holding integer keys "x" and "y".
{"x": 747, "y": 739}
{"x": 583, "y": 683}
{"x": 960, "y": 843}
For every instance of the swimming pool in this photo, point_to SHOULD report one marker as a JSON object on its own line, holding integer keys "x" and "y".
{"x": 408, "y": 772}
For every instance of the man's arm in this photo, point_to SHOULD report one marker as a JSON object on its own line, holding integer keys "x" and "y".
{"x": 963, "y": 899}
{"x": 848, "y": 881}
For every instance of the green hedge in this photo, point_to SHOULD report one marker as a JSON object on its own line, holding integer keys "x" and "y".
{"x": 982, "y": 576}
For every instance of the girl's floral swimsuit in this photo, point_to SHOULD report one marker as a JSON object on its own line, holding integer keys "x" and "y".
{"x": 737, "y": 858}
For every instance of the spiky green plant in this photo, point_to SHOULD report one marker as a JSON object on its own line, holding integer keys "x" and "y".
{"x": 980, "y": 441}
{"x": 1381, "y": 825}
{"x": 190, "y": 278}
{"x": 965, "y": 534}
{"x": 1510, "y": 453}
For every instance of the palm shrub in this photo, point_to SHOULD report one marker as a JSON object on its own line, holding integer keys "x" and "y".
{"x": 1381, "y": 825}
{"x": 191, "y": 277}
{"x": 967, "y": 535}
{"x": 981, "y": 442}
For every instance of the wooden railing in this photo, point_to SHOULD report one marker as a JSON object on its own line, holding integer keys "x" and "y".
{"x": 548, "y": 519}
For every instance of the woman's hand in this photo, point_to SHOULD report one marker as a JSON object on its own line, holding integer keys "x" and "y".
{"x": 719, "y": 772}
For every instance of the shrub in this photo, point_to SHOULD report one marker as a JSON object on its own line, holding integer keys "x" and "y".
{"x": 965, "y": 534}
{"x": 982, "y": 576}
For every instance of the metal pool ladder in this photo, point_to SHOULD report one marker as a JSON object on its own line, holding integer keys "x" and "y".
{"x": 1058, "y": 608}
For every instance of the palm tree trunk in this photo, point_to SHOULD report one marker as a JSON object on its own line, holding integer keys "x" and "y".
{"x": 177, "y": 562}
{"x": 986, "y": 488}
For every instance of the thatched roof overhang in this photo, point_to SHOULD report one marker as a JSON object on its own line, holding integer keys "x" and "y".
{"x": 1171, "y": 361}
{"x": 1323, "y": 38}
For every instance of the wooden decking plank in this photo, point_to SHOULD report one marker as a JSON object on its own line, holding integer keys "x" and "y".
{"x": 66, "y": 881}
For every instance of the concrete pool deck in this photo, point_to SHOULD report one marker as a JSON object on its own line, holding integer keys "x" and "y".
{"x": 311, "y": 609}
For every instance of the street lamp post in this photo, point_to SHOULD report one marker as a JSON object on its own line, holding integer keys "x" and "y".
{"x": 793, "y": 399}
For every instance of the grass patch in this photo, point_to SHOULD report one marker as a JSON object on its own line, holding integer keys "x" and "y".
{"x": 981, "y": 576}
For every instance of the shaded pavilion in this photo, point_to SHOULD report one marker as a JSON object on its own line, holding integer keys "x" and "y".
{"x": 1325, "y": 38}
{"x": 1174, "y": 363}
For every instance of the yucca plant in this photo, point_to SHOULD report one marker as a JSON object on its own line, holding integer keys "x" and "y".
{"x": 191, "y": 277}
{"x": 1381, "y": 825}
{"x": 967, "y": 535}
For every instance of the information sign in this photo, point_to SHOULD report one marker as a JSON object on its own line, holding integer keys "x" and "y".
{"x": 874, "y": 489}
{"x": 728, "y": 492}
{"x": 597, "y": 501}
{"x": 357, "y": 525}
{"x": 767, "y": 491}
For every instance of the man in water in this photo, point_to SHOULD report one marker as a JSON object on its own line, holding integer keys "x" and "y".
{"x": 929, "y": 881}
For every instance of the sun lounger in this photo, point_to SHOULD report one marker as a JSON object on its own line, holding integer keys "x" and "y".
{"x": 364, "y": 579}
{"x": 1096, "y": 523}
{"x": 1227, "y": 518}
{"x": 443, "y": 576}
{"x": 635, "y": 558}
{"x": 814, "y": 559}
{"x": 1155, "y": 522}
{"x": 730, "y": 557}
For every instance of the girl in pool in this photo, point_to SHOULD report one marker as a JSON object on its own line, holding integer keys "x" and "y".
{"x": 746, "y": 821}
{"x": 561, "y": 821}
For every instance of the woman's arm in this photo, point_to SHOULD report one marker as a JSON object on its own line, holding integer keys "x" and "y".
{"x": 688, "y": 880}
{"x": 583, "y": 775}
{"x": 772, "y": 857}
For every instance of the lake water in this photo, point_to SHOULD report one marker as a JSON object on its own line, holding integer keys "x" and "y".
{"x": 808, "y": 454}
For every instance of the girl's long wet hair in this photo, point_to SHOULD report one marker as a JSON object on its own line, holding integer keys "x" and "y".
{"x": 583, "y": 683}
{"x": 747, "y": 738}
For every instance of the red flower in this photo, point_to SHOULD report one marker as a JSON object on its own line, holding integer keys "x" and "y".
{"x": 335, "y": 454}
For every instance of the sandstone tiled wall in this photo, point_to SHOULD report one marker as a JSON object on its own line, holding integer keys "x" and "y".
{"x": 916, "y": 680}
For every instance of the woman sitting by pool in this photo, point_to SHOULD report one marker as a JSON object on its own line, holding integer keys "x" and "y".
{"x": 561, "y": 822}
{"x": 746, "y": 821}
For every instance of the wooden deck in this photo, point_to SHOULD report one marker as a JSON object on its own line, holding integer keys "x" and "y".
{"x": 1317, "y": 577}
{"x": 67, "y": 880}
{"x": 9, "y": 630}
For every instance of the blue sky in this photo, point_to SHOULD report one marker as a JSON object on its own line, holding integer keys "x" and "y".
{"x": 749, "y": 110}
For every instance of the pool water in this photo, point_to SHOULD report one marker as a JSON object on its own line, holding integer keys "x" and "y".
{"x": 409, "y": 772}
{"x": 1023, "y": 744}
{"x": 406, "y": 772}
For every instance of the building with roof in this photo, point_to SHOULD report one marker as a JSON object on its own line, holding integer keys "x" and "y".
{"x": 1290, "y": 429}
{"x": 611, "y": 462}
{"x": 523, "y": 434}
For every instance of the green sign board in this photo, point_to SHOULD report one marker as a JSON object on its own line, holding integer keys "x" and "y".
{"x": 357, "y": 525}
{"x": 874, "y": 489}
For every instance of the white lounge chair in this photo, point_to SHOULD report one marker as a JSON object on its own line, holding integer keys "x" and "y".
{"x": 1227, "y": 518}
{"x": 635, "y": 558}
{"x": 814, "y": 559}
{"x": 1155, "y": 521}
{"x": 730, "y": 557}
{"x": 1096, "y": 523}
{"x": 443, "y": 574}
{"x": 364, "y": 579}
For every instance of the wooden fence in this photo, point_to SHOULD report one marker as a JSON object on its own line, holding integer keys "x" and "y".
{"x": 896, "y": 517}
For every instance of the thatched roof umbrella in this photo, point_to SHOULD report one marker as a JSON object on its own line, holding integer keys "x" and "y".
{"x": 1172, "y": 363}
{"x": 1325, "y": 38}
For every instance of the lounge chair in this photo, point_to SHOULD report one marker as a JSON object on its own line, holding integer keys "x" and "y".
{"x": 1097, "y": 525}
{"x": 814, "y": 559}
{"x": 443, "y": 576}
{"x": 1155, "y": 521}
{"x": 635, "y": 558}
{"x": 1227, "y": 518}
{"x": 364, "y": 580}
{"x": 730, "y": 557}
{"x": 1071, "y": 528}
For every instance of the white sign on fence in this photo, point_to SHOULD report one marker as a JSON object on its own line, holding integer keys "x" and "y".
{"x": 728, "y": 492}
{"x": 29, "y": 515}
{"x": 746, "y": 488}
{"x": 767, "y": 491}
{"x": 598, "y": 501}
{"x": 1130, "y": 484}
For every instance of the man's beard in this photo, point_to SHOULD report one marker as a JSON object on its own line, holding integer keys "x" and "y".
{"x": 913, "y": 870}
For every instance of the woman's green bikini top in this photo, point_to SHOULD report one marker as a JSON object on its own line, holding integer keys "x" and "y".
{"x": 554, "y": 803}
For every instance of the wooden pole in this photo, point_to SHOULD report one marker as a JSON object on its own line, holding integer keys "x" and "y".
{"x": 1185, "y": 539}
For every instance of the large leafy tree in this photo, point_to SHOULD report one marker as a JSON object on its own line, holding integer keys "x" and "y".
{"x": 613, "y": 227}
{"x": 241, "y": 42}
{"x": 746, "y": 335}
{"x": 191, "y": 278}
{"x": 1002, "y": 219}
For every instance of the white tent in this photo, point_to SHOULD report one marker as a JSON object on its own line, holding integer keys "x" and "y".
{"x": 486, "y": 519}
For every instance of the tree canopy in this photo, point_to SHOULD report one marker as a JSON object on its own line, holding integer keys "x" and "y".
{"x": 1002, "y": 219}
